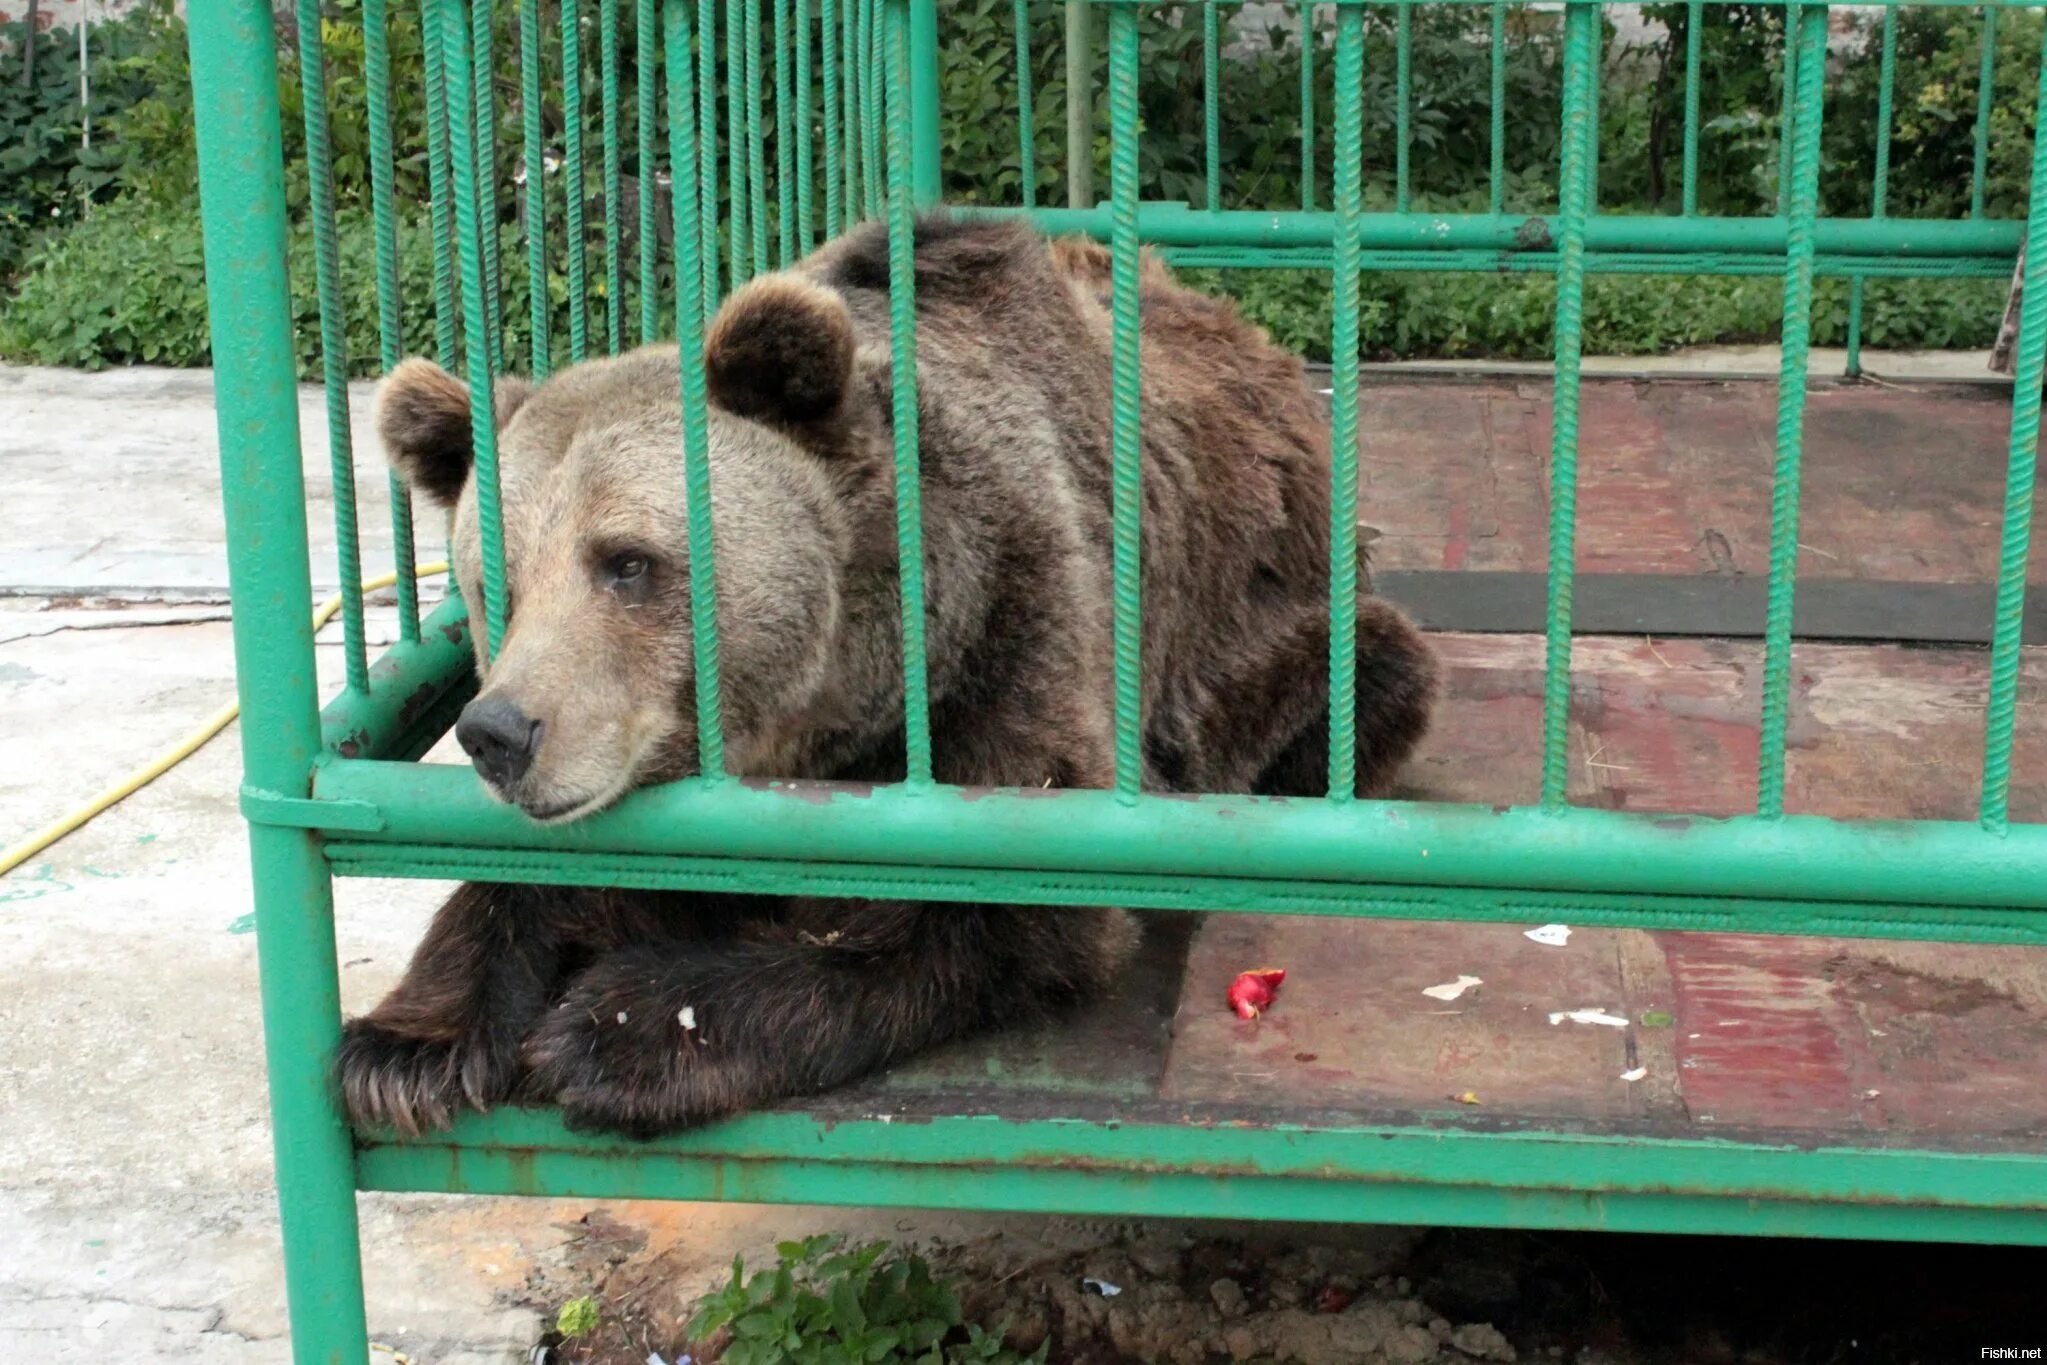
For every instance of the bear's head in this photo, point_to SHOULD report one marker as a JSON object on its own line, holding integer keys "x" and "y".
{"x": 592, "y": 688}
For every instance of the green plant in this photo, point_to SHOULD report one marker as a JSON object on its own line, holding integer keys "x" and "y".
{"x": 578, "y": 1317}
{"x": 824, "y": 1304}
{"x": 49, "y": 175}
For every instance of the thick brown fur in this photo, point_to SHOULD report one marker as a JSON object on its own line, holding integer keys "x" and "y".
{"x": 645, "y": 1013}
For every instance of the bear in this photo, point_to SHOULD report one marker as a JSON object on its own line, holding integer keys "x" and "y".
{"x": 644, "y": 1012}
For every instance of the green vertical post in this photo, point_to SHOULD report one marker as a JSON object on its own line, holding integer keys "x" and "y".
{"x": 333, "y": 341}
{"x": 756, "y": 135}
{"x": 536, "y": 184}
{"x": 440, "y": 183}
{"x": 875, "y": 61}
{"x": 1348, "y": 178}
{"x": 1496, "y": 175}
{"x": 614, "y": 135}
{"x": 1986, "y": 91}
{"x": 926, "y": 154}
{"x": 806, "y": 174}
{"x": 1403, "y": 100}
{"x": 785, "y": 140}
{"x": 241, "y": 192}
{"x": 1787, "y": 111}
{"x": 1574, "y": 187}
{"x": 736, "y": 192}
{"x": 1695, "y": 25}
{"x": 1811, "y": 69}
{"x": 574, "y": 187}
{"x": 1026, "y": 125}
{"x": 1080, "y": 107}
{"x": 692, "y": 228}
{"x": 647, "y": 86}
{"x": 1307, "y": 108}
{"x": 390, "y": 324}
{"x": 849, "y": 109}
{"x": 1880, "y": 181}
{"x": 706, "y": 150}
{"x": 471, "y": 239}
{"x": 1211, "y": 94}
{"x": 1125, "y": 430}
{"x": 2030, "y": 365}
{"x": 836, "y": 217}
{"x": 895, "y": 79}
{"x": 484, "y": 70}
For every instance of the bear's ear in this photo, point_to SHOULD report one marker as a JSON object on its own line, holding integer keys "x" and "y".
{"x": 780, "y": 351}
{"x": 423, "y": 418}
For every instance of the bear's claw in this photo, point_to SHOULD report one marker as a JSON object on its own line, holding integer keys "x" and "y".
{"x": 388, "y": 1079}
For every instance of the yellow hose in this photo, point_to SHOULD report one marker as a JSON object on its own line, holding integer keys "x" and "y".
{"x": 35, "y": 843}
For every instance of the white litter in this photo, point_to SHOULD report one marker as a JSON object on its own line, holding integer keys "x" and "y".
{"x": 622, "y": 1016}
{"x": 1588, "y": 1016}
{"x": 687, "y": 1018}
{"x": 1450, "y": 990}
{"x": 1550, "y": 935}
{"x": 1637, "y": 1074}
{"x": 1102, "y": 1287}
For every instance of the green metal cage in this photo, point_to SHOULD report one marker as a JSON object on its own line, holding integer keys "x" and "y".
{"x": 845, "y": 94}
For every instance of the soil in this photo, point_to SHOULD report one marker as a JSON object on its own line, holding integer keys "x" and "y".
{"x": 1188, "y": 1294}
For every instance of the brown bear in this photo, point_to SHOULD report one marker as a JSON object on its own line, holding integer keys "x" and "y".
{"x": 585, "y": 997}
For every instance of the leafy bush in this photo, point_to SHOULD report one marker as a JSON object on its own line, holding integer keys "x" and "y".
{"x": 825, "y": 1305}
{"x": 49, "y": 177}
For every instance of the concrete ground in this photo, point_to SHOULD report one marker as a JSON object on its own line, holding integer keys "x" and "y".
{"x": 135, "y": 1164}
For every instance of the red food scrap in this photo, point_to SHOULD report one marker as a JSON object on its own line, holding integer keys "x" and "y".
{"x": 1333, "y": 1299}
{"x": 1252, "y": 993}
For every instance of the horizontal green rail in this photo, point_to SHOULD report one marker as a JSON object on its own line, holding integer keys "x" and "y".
{"x": 1933, "y": 863}
{"x": 1166, "y": 224}
{"x": 1230, "y": 1168}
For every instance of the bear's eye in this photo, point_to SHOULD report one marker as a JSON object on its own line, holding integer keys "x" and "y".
{"x": 627, "y": 569}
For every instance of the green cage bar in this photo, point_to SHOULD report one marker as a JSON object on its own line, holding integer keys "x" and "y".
{"x": 1695, "y": 25}
{"x": 470, "y": 234}
{"x": 575, "y": 187}
{"x": 785, "y": 138}
{"x": 390, "y": 323}
{"x": 333, "y": 342}
{"x": 806, "y": 171}
{"x": 440, "y": 178}
{"x": 1810, "y": 66}
{"x": 749, "y": 35}
{"x": 1986, "y": 88}
{"x": 2030, "y": 363}
{"x": 1496, "y": 175}
{"x": 646, "y": 85}
{"x": 530, "y": 78}
{"x": 1581, "y": 131}
{"x": 1348, "y": 174}
{"x": 707, "y": 152}
{"x": 902, "y": 310}
{"x": 1880, "y": 179}
{"x": 241, "y": 189}
{"x": 1403, "y": 102}
{"x": 484, "y": 134}
{"x": 1126, "y": 436}
{"x": 1026, "y": 125}
{"x": 738, "y": 236}
{"x": 614, "y": 126}
{"x": 1211, "y": 100}
{"x": 1308, "y": 40}
{"x": 685, "y": 169}
{"x": 1787, "y": 113}
{"x": 832, "y": 99}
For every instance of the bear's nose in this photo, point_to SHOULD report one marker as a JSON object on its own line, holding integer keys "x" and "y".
{"x": 499, "y": 738}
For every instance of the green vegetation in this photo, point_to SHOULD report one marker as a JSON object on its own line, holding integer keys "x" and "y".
{"x": 827, "y": 1305}
{"x": 99, "y": 246}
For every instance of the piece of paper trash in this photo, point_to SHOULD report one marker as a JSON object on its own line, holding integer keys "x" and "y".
{"x": 1450, "y": 990}
{"x": 1550, "y": 935}
{"x": 1637, "y": 1074}
{"x": 687, "y": 1017}
{"x": 1588, "y": 1016}
{"x": 1468, "y": 1097}
{"x": 1102, "y": 1287}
